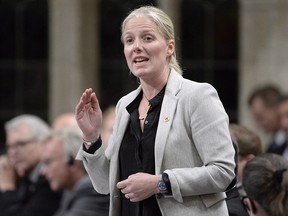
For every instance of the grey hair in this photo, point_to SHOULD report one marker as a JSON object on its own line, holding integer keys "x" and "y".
{"x": 164, "y": 24}
{"x": 38, "y": 127}
{"x": 71, "y": 139}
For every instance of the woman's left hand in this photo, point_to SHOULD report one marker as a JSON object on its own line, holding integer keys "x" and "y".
{"x": 139, "y": 186}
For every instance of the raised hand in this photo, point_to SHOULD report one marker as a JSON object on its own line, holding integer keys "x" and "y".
{"x": 7, "y": 174}
{"x": 88, "y": 115}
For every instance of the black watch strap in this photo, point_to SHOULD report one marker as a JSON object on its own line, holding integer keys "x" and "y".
{"x": 166, "y": 180}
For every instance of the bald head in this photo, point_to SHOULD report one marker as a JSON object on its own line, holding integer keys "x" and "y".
{"x": 65, "y": 120}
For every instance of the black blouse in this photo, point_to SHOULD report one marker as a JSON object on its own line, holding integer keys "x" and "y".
{"x": 137, "y": 153}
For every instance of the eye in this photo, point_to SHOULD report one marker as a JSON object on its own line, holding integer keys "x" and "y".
{"x": 47, "y": 162}
{"x": 128, "y": 40}
{"x": 148, "y": 38}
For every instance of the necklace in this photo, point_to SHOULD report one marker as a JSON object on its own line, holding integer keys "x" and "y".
{"x": 142, "y": 117}
{"x": 146, "y": 98}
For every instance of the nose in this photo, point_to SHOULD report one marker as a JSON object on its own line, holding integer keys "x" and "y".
{"x": 12, "y": 152}
{"x": 137, "y": 46}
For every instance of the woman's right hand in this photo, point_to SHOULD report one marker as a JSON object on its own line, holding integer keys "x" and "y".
{"x": 89, "y": 115}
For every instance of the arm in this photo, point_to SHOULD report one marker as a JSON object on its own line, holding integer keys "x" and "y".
{"x": 89, "y": 118}
{"x": 208, "y": 147}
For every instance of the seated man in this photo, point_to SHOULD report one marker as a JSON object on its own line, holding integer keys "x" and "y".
{"x": 65, "y": 173}
{"x": 262, "y": 104}
{"x": 23, "y": 190}
{"x": 249, "y": 146}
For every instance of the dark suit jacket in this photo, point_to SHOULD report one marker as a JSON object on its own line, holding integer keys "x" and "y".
{"x": 277, "y": 149}
{"x": 278, "y": 143}
{"x": 83, "y": 200}
{"x": 234, "y": 203}
{"x": 30, "y": 199}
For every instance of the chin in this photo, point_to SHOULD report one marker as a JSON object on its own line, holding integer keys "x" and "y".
{"x": 54, "y": 187}
{"x": 141, "y": 73}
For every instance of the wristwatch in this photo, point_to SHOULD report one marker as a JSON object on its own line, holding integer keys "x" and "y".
{"x": 161, "y": 184}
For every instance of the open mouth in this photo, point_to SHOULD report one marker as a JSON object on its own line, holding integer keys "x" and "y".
{"x": 140, "y": 60}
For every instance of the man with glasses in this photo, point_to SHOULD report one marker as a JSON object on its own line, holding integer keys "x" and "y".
{"x": 66, "y": 174}
{"x": 23, "y": 190}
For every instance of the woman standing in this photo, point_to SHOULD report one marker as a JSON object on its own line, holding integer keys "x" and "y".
{"x": 170, "y": 152}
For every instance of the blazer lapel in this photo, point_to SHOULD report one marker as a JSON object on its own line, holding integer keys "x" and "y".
{"x": 169, "y": 105}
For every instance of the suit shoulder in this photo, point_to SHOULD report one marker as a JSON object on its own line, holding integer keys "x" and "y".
{"x": 198, "y": 88}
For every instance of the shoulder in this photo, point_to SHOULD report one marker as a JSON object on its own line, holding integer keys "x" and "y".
{"x": 197, "y": 97}
{"x": 196, "y": 91}
{"x": 178, "y": 85}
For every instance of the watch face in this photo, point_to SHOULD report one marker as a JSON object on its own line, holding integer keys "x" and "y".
{"x": 161, "y": 186}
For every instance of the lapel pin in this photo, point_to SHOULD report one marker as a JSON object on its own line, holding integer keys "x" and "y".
{"x": 166, "y": 119}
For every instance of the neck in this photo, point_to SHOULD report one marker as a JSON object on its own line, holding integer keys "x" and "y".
{"x": 152, "y": 87}
{"x": 146, "y": 98}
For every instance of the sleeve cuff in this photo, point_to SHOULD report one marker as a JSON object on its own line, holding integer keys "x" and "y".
{"x": 94, "y": 147}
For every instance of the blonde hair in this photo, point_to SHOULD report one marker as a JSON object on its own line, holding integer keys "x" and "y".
{"x": 164, "y": 24}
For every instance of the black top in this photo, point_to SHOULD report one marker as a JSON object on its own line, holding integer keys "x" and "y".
{"x": 137, "y": 153}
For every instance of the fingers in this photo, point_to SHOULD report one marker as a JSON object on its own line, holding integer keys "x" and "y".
{"x": 123, "y": 187}
{"x": 125, "y": 190}
{"x": 130, "y": 197}
{"x": 94, "y": 102}
{"x": 121, "y": 184}
{"x": 87, "y": 97}
{"x": 82, "y": 100}
{"x": 4, "y": 163}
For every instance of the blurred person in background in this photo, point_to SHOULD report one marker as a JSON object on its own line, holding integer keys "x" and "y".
{"x": 64, "y": 173}
{"x": 283, "y": 112}
{"x": 64, "y": 120}
{"x": 107, "y": 124}
{"x": 249, "y": 146}
{"x": 265, "y": 180}
{"x": 32, "y": 195}
{"x": 233, "y": 199}
{"x": 262, "y": 104}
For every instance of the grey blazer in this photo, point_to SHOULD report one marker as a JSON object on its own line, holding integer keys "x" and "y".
{"x": 193, "y": 146}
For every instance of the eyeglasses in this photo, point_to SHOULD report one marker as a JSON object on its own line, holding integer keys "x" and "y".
{"x": 19, "y": 144}
{"x": 47, "y": 162}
